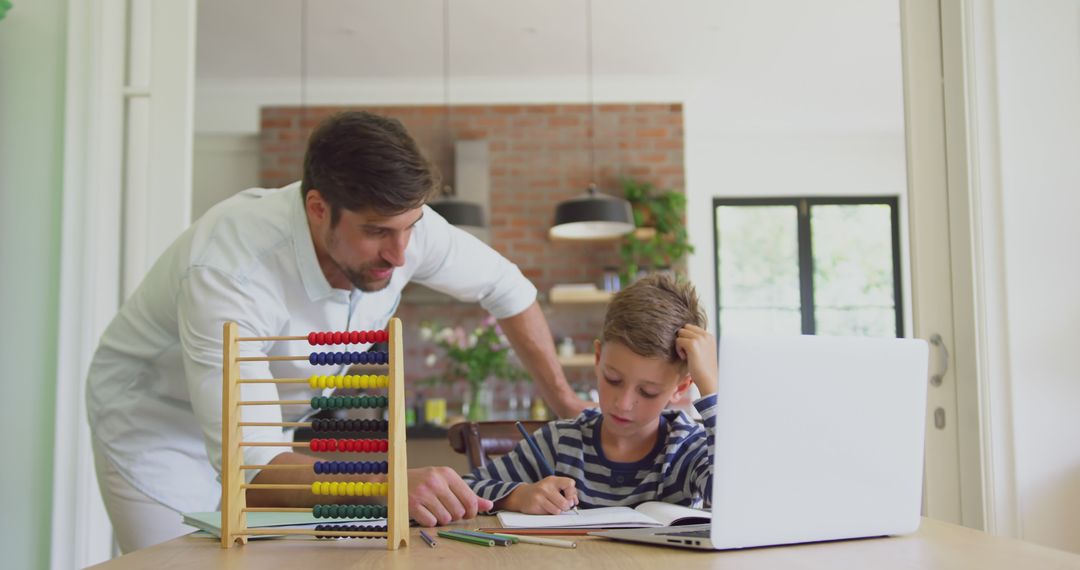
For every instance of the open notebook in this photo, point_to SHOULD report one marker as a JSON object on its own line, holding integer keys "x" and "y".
{"x": 651, "y": 514}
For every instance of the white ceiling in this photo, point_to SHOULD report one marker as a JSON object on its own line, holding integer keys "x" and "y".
{"x": 350, "y": 39}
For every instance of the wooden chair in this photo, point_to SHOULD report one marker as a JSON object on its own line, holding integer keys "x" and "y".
{"x": 480, "y": 441}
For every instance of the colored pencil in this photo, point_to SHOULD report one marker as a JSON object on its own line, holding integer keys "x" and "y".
{"x": 539, "y": 540}
{"x": 499, "y": 540}
{"x": 466, "y": 538}
{"x": 427, "y": 538}
{"x": 545, "y": 469}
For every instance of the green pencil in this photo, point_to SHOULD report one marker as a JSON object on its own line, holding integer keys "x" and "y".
{"x": 466, "y": 538}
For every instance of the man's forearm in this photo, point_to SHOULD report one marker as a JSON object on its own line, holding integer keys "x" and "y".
{"x": 530, "y": 336}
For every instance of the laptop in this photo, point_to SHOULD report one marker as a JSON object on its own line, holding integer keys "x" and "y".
{"x": 817, "y": 438}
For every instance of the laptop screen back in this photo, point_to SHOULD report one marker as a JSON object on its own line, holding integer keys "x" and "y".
{"x": 817, "y": 438}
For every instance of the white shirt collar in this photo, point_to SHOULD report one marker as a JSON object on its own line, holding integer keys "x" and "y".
{"x": 315, "y": 283}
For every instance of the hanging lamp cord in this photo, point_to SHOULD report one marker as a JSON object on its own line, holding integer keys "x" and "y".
{"x": 447, "y": 189}
{"x": 592, "y": 101}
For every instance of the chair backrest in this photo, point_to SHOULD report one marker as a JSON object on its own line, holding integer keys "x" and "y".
{"x": 480, "y": 441}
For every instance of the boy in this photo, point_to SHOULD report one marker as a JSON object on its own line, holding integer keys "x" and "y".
{"x": 631, "y": 450}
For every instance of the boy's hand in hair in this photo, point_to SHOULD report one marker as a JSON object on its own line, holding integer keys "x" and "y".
{"x": 698, "y": 348}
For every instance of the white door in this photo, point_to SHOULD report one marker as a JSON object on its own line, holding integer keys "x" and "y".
{"x": 127, "y": 195}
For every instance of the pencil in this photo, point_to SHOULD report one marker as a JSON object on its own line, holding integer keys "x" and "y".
{"x": 545, "y": 469}
{"x": 500, "y": 540}
{"x": 538, "y": 540}
{"x": 427, "y": 538}
{"x": 466, "y": 538}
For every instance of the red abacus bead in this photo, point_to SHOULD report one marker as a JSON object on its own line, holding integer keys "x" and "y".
{"x": 363, "y": 336}
{"x": 335, "y": 338}
{"x": 312, "y": 338}
{"x": 385, "y": 445}
{"x": 320, "y": 338}
{"x": 383, "y": 335}
{"x": 313, "y": 445}
{"x": 350, "y": 445}
{"x": 354, "y": 337}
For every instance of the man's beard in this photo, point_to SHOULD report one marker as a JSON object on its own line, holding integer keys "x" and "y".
{"x": 356, "y": 275}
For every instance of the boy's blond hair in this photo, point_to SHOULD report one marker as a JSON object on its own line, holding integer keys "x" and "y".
{"x": 646, "y": 316}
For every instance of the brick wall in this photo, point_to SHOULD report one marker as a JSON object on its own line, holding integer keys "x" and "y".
{"x": 539, "y": 155}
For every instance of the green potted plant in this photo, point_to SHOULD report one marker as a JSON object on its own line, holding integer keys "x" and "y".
{"x": 475, "y": 357}
{"x": 661, "y": 238}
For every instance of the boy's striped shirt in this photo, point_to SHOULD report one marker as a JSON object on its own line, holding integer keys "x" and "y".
{"x": 677, "y": 470}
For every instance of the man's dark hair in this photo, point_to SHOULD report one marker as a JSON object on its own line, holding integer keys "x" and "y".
{"x": 361, "y": 161}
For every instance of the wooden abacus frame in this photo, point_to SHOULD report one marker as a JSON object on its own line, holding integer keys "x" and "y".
{"x": 233, "y": 488}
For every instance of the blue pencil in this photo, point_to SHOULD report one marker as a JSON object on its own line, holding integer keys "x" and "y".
{"x": 545, "y": 469}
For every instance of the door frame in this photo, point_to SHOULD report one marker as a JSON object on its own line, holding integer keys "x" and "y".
{"x": 952, "y": 145}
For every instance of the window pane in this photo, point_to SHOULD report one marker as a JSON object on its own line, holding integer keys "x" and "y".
{"x": 758, "y": 260}
{"x": 853, "y": 270}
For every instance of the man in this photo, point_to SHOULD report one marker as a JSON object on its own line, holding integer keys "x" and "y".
{"x": 330, "y": 253}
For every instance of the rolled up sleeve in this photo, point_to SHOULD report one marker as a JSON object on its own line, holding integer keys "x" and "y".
{"x": 458, "y": 264}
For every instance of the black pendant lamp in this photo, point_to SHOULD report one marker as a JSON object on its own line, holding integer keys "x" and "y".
{"x": 592, "y": 215}
{"x": 456, "y": 211}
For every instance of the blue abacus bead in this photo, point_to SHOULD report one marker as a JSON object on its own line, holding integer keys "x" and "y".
{"x": 385, "y": 467}
{"x": 318, "y": 467}
{"x": 342, "y": 467}
{"x": 313, "y": 358}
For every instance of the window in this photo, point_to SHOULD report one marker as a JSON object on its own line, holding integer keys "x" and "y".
{"x": 808, "y": 266}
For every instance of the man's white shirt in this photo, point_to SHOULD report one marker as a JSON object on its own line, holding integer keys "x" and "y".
{"x": 154, "y": 386}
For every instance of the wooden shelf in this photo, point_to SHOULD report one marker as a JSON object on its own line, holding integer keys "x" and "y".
{"x": 577, "y": 360}
{"x": 579, "y": 296}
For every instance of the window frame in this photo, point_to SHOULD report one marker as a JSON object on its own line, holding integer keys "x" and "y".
{"x": 802, "y": 207}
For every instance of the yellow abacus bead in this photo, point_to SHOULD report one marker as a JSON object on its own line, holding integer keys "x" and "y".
{"x": 383, "y": 489}
{"x": 322, "y": 382}
{"x": 351, "y": 381}
{"x": 384, "y": 381}
{"x": 348, "y": 489}
{"x": 315, "y": 488}
{"x": 313, "y": 382}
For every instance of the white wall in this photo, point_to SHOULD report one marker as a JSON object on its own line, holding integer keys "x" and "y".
{"x": 1038, "y": 97}
{"x": 779, "y": 109}
{"x": 32, "y": 56}
{"x": 223, "y": 164}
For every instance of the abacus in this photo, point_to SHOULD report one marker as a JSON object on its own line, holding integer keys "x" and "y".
{"x": 395, "y": 489}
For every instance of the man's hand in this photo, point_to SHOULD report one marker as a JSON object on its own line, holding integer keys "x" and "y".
{"x": 438, "y": 495}
{"x": 698, "y": 348}
{"x": 549, "y": 496}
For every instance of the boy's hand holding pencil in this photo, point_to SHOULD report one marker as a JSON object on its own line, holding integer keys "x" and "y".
{"x": 550, "y": 496}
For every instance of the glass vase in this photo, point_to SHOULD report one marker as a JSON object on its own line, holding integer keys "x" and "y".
{"x": 477, "y": 407}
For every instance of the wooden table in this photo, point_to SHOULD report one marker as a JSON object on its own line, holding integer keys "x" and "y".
{"x": 935, "y": 545}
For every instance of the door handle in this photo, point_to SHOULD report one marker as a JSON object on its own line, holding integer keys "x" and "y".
{"x": 938, "y": 377}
